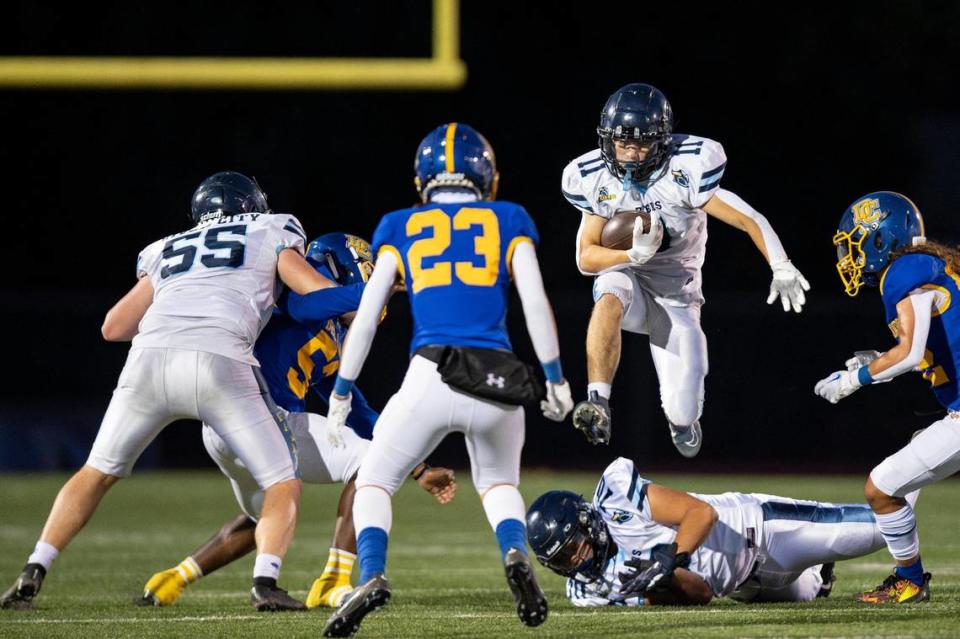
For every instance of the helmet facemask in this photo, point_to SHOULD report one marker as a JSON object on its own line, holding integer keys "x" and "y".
{"x": 657, "y": 144}
{"x": 851, "y": 258}
{"x": 584, "y": 552}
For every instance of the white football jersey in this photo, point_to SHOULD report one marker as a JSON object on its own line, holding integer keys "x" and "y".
{"x": 724, "y": 560}
{"x": 215, "y": 284}
{"x": 689, "y": 178}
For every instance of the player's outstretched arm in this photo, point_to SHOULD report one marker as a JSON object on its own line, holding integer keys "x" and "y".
{"x": 359, "y": 338}
{"x": 296, "y": 272}
{"x": 913, "y": 318}
{"x": 542, "y": 328}
{"x": 788, "y": 283}
{"x": 122, "y": 322}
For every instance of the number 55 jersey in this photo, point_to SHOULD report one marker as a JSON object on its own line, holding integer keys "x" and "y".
{"x": 215, "y": 284}
{"x": 455, "y": 260}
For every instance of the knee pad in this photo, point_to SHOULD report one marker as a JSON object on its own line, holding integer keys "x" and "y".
{"x": 616, "y": 283}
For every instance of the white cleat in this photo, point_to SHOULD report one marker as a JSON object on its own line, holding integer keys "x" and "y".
{"x": 687, "y": 439}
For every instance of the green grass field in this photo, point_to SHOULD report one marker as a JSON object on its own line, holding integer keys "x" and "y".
{"x": 444, "y": 566}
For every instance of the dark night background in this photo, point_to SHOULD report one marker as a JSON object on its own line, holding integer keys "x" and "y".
{"x": 815, "y": 103}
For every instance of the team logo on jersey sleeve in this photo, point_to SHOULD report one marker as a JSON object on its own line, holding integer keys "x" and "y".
{"x": 620, "y": 516}
{"x": 606, "y": 195}
{"x": 680, "y": 177}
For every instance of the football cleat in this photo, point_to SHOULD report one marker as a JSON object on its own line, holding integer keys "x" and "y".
{"x": 592, "y": 416}
{"x": 897, "y": 590}
{"x": 828, "y": 576}
{"x": 267, "y": 598}
{"x": 687, "y": 439}
{"x": 20, "y": 595}
{"x": 346, "y": 619}
{"x": 531, "y": 603}
{"x": 327, "y": 593}
{"x": 163, "y": 589}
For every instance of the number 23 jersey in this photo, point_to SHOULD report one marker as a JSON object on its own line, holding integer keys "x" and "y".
{"x": 215, "y": 284}
{"x": 455, "y": 260}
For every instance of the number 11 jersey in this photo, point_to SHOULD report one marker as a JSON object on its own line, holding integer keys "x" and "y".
{"x": 455, "y": 260}
{"x": 215, "y": 284}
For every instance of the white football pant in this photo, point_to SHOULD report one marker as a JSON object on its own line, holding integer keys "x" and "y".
{"x": 677, "y": 343}
{"x": 932, "y": 455}
{"x": 319, "y": 461}
{"x": 422, "y": 413}
{"x": 160, "y": 385}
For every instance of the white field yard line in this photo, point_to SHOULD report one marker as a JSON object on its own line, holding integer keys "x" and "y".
{"x": 739, "y": 611}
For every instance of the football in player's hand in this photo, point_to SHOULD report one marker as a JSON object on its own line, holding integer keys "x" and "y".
{"x": 617, "y": 233}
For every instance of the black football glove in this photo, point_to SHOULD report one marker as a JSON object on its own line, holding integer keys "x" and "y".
{"x": 653, "y": 575}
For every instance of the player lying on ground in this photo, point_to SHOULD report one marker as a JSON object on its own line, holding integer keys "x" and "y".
{"x": 880, "y": 241}
{"x": 640, "y": 543}
{"x": 652, "y": 285}
{"x": 202, "y": 298}
{"x": 299, "y": 350}
{"x": 457, "y": 254}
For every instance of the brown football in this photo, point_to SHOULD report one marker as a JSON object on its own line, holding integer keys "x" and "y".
{"x": 617, "y": 233}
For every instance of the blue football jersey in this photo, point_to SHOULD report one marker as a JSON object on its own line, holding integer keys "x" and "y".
{"x": 455, "y": 261}
{"x": 939, "y": 365}
{"x": 299, "y": 350}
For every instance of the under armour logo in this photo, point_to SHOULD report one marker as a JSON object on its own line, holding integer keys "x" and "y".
{"x": 495, "y": 380}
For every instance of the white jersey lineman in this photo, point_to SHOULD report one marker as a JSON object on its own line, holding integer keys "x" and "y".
{"x": 772, "y": 547}
{"x": 214, "y": 288}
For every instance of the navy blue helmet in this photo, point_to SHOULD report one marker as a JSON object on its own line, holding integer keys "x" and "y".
{"x": 455, "y": 155}
{"x": 561, "y": 526}
{"x": 872, "y": 228}
{"x": 347, "y": 257}
{"x": 636, "y": 112}
{"x": 227, "y": 193}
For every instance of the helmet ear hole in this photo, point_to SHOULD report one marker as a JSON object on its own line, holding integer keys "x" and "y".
{"x": 878, "y": 239}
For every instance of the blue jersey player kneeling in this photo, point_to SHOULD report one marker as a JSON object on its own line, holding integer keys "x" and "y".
{"x": 456, "y": 254}
{"x": 881, "y": 242}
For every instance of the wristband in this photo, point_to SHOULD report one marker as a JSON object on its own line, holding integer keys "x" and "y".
{"x": 417, "y": 476}
{"x": 864, "y": 376}
{"x": 342, "y": 386}
{"x": 552, "y": 371}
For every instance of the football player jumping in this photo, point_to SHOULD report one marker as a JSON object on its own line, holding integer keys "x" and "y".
{"x": 202, "y": 298}
{"x": 654, "y": 287}
{"x": 299, "y": 350}
{"x": 880, "y": 242}
{"x": 639, "y": 543}
{"x": 457, "y": 254}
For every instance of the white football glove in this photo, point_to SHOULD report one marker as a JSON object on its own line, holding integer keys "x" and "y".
{"x": 837, "y": 386}
{"x": 789, "y": 284}
{"x": 646, "y": 245}
{"x": 559, "y": 401}
{"x": 861, "y": 358}
{"x": 337, "y": 418}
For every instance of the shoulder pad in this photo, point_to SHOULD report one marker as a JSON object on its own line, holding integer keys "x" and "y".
{"x": 578, "y": 177}
{"x": 906, "y": 273}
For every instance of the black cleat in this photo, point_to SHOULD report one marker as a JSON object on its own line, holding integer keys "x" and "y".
{"x": 346, "y": 619}
{"x": 826, "y": 572}
{"x": 267, "y": 597}
{"x": 531, "y": 604}
{"x": 593, "y": 418}
{"x": 20, "y": 595}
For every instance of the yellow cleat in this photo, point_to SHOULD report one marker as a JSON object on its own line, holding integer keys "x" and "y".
{"x": 327, "y": 593}
{"x": 895, "y": 590}
{"x": 164, "y": 588}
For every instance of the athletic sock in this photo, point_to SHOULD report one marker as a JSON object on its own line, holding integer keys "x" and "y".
{"x": 372, "y": 548}
{"x": 43, "y": 554}
{"x": 189, "y": 570}
{"x": 913, "y": 572}
{"x": 899, "y": 530}
{"x": 267, "y": 566}
{"x": 511, "y": 533}
{"x": 603, "y": 389}
{"x": 339, "y": 567}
